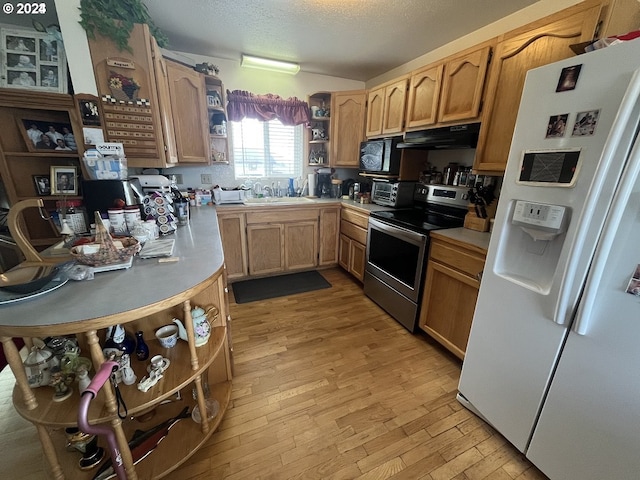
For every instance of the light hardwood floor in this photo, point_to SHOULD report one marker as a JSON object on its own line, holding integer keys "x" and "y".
{"x": 326, "y": 386}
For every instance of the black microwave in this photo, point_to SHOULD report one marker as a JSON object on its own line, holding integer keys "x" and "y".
{"x": 380, "y": 156}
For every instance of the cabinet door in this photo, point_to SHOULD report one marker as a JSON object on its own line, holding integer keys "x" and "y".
{"x": 395, "y": 98}
{"x": 234, "y": 244}
{"x": 329, "y": 231}
{"x": 301, "y": 245}
{"x": 424, "y": 94}
{"x": 462, "y": 85}
{"x": 357, "y": 260}
{"x": 164, "y": 97}
{"x": 265, "y": 248}
{"x": 348, "y": 110}
{"x": 345, "y": 252}
{"x": 447, "y": 308}
{"x": 187, "y": 92}
{"x": 375, "y": 111}
{"x": 514, "y": 56}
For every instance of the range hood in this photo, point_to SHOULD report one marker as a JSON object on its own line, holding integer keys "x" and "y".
{"x": 455, "y": 136}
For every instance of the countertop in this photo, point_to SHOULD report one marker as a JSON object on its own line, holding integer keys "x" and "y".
{"x": 315, "y": 202}
{"x": 466, "y": 236}
{"x": 198, "y": 247}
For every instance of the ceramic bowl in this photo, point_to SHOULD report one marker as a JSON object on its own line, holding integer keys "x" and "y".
{"x": 167, "y": 336}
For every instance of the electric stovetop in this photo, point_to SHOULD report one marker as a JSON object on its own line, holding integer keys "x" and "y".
{"x": 418, "y": 220}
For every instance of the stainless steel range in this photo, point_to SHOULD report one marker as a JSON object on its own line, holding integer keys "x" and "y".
{"x": 397, "y": 247}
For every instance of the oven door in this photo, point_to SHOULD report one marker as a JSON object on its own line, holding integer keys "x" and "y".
{"x": 395, "y": 255}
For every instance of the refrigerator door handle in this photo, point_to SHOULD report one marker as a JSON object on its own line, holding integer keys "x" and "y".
{"x": 605, "y": 242}
{"x": 627, "y": 114}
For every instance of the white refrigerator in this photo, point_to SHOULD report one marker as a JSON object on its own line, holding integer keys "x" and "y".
{"x": 553, "y": 359}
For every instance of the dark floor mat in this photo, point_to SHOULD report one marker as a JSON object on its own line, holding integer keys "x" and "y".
{"x": 263, "y": 288}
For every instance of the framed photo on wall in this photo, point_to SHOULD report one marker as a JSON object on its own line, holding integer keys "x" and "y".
{"x": 32, "y": 60}
{"x": 64, "y": 180}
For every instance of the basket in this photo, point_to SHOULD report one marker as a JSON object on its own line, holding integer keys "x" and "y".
{"x": 108, "y": 253}
{"x": 124, "y": 94}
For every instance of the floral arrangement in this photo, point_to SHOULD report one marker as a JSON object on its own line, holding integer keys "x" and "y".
{"x": 120, "y": 83}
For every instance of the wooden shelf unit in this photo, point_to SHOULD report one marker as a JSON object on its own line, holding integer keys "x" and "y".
{"x": 190, "y": 368}
{"x": 18, "y": 164}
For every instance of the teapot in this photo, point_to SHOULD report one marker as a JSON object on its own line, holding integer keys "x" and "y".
{"x": 38, "y": 365}
{"x": 201, "y": 325}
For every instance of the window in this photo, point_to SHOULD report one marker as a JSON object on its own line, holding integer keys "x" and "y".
{"x": 266, "y": 149}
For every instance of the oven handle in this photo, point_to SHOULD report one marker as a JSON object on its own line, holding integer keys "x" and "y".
{"x": 402, "y": 233}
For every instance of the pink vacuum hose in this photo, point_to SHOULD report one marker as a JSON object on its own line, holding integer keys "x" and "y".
{"x": 106, "y": 369}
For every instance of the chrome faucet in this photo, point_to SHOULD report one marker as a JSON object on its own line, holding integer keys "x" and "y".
{"x": 268, "y": 192}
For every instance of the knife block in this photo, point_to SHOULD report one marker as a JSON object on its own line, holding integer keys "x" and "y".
{"x": 473, "y": 222}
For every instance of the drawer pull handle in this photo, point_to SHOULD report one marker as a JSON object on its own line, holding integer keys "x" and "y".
{"x": 479, "y": 275}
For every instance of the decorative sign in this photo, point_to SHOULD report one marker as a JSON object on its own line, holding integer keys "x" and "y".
{"x": 121, "y": 63}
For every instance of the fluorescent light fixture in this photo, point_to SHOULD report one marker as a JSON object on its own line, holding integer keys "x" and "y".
{"x": 268, "y": 64}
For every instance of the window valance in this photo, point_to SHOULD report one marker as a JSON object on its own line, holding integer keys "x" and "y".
{"x": 242, "y": 104}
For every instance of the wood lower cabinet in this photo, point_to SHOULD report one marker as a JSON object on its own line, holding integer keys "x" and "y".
{"x": 545, "y": 41}
{"x": 265, "y": 244}
{"x": 451, "y": 291}
{"x": 270, "y": 240}
{"x": 233, "y": 231}
{"x": 329, "y": 230}
{"x": 348, "y": 111}
{"x": 300, "y": 245}
{"x": 353, "y": 241}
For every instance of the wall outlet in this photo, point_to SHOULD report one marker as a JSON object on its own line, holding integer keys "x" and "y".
{"x": 205, "y": 179}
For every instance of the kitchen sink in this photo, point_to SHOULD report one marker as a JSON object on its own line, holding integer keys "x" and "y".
{"x": 277, "y": 201}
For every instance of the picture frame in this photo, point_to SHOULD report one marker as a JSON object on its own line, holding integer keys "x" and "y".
{"x": 64, "y": 180}
{"x": 48, "y": 136}
{"x": 32, "y": 60}
{"x": 42, "y": 184}
{"x": 568, "y": 78}
{"x": 89, "y": 108}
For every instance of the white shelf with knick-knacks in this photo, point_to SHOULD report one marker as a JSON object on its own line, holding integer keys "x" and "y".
{"x": 317, "y": 135}
{"x": 32, "y": 60}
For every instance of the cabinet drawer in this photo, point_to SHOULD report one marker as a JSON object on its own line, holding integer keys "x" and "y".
{"x": 355, "y": 232}
{"x": 360, "y": 219}
{"x": 272, "y": 215}
{"x": 458, "y": 258}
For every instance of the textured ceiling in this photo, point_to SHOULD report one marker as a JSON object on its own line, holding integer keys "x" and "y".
{"x": 355, "y": 39}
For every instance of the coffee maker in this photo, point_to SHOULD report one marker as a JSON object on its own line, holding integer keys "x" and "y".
{"x": 99, "y": 195}
{"x": 323, "y": 182}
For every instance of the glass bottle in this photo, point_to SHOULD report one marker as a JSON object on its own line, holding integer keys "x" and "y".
{"x": 142, "y": 349}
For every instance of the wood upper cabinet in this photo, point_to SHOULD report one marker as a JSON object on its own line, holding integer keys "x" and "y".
{"x": 450, "y": 292}
{"x": 348, "y": 110}
{"x": 462, "y": 85}
{"x": 162, "y": 122}
{"x": 450, "y": 90}
{"x": 144, "y": 128}
{"x": 424, "y": 95}
{"x": 395, "y": 98}
{"x": 375, "y": 111}
{"x": 545, "y": 41}
{"x": 386, "y": 106}
{"x": 187, "y": 93}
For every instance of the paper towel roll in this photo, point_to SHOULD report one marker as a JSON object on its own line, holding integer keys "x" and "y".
{"x": 312, "y": 184}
